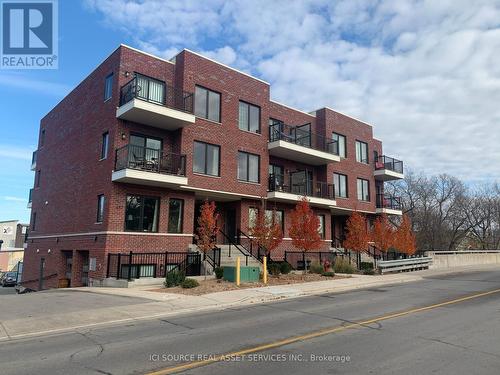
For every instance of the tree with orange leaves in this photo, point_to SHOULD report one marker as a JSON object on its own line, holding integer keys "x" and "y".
{"x": 267, "y": 231}
{"x": 304, "y": 226}
{"x": 357, "y": 236}
{"x": 206, "y": 232}
{"x": 404, "y": 238}
{"x": 383, "y": 234}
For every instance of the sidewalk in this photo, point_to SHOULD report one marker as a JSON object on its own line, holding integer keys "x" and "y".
{"x": 144, "y": 304}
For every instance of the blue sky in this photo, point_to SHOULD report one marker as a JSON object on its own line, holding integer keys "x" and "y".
{"x": 424, "y": 73}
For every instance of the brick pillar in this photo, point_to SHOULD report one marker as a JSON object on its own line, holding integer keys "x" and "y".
{"x": 76, "y": 274}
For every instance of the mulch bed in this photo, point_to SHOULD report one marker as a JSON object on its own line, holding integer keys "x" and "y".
{"x": 213, "y": 285}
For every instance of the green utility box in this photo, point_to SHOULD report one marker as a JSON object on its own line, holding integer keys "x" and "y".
{"x": 247, "y": 274}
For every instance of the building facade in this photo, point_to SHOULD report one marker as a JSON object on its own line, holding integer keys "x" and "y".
{"x": 127, "y": 158}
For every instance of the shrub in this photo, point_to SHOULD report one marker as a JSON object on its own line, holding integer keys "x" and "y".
{"x": 342, "y": 265}
{"x": 285, "y": 268}
{"x": 189, "y": 283}
{"x": 328, "y": 274}
{"x": 174, "y": 278}
{"x": 219, "y": 272}
{"x": 315, "y": 267}
{"x": 366, "y": 266}
{"x": 274, "y": 269}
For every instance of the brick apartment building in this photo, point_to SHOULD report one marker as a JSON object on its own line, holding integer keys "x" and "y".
{"x": 125, "y": 160}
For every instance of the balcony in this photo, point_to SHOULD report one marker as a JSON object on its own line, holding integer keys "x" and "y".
{"x": 388, "y": 204}
{"x": 387, "y": 168}
{"x": 33, "y": 161}
{"x": 148, "y": 166}
{"x": 291, "y": 188}
{"x": 151, "y": 102}
{"x": 298, "y": 143}
{"x": 30, "y": 198}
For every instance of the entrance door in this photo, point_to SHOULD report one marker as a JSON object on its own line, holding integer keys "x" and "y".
{"x": 230, "y": 223}
{"x": 85, "y": 268}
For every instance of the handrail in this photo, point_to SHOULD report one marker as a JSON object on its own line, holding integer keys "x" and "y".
{"x": 256, "y": 254}
{"x": 283, "y": 183}
{"x": 231, "y": 243}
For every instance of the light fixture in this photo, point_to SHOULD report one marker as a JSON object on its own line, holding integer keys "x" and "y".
{"x": 127, "y": 74}
{"x": 124, "y": 136}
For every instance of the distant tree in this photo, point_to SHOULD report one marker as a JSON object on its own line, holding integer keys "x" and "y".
{"x": 206, "y": 232}
{"x": 304, "y": 225}
{"x": 266, "y": 231}
{"x": 357, "y": 236}
{"x": 383, "y": 234}
{"x": 404, "y": 238}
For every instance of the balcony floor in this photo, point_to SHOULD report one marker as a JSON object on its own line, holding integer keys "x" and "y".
{"x": 280, "y": 196}
{"x": 387, "y": 175}
{"x": 138, "y": 177}
{"x": 295, "y": 152}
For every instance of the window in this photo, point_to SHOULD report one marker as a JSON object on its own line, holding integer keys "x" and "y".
{"x": 141, "y": 213}
{"x": 108, "y": 87}
{"x": 33, "y": 221}
{"x": 363, "y": 190}
{"x": 38, "y": 177}
{"x": 341, "y": 144}
{"x": 252, "y": 217}
{"x": 207, "y": 104}
{"x": 42, "y": 137}
{"x": 100, "y": 208}
{"x": 104, "y": 145}
{"x": 361, "y": 152}
{"x": 249, "y": 118}
{"x": 142, "y": 148}
{"x": 175, "y": 214}
{"x": 321, "y": 226}
{"x": 248, "y": 167}
{"x": 150, "y": 89}
{"x": 206, "y": 158}
{"x": 278, "y": 218}
{"x": 276, "y": 177}
{"x": 340, "y": 183}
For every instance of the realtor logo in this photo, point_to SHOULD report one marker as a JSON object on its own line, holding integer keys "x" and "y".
{"x": 29, "y": 34}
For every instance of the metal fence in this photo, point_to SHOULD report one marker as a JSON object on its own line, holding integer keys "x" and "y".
{"x": 151, "y": 160}
{"x": 136, "y": 265}
{"x": 300, "y": 259}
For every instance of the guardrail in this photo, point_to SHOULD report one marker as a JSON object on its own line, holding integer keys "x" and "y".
{"x": 399, "y": 265}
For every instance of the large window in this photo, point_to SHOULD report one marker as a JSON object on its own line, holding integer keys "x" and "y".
{"x": 33, "y": 221}
{"x": 175, "y": 214}
{"x": 206, "y": 158}
{"x": 248, "y": 167}
{"x": 249, "y": 118}
{"x": 150, "y": 89}
{"x": 100, "y": 208}
{"x": 252, "y": 217}
{"x": 341, "y": 141}
{"x": 277, "y": 218}
{"x": 38, "y": 178}
{"x": 361, "y": 152}
{"x": 207, "y": 104}
{"x": 340, "y": 183}
{"x": 108, "y": 87}
{"x": 104, "y": 145}
{"x": 321, "y": 226}
{"x": 141, "y": 213}
{"x": 363, "y": 190}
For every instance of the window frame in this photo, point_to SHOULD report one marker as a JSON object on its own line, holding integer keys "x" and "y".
{"x": 141, "y": 221}
{"x": 100, "y": 208}
{"x": 337, "y": 189}
{"x": 38, "y": 178}
{"x": 33, "y": 221}
{"x": 322, "y": 225}
{"x": 207, "y": 104}
{"x": 181, "y": 214}
{"x": 104, "y": 145}
{"x": 249, "y": 105}
{"x": 338, "y": 142}
{"x": 247, "y": 179}
{"x": 361, "y": 191}
{"x": 109, "y": 79}
{"x": 205, "y": 164}
{"x": 282, "y": 217}
{"x": 361, "y": 160}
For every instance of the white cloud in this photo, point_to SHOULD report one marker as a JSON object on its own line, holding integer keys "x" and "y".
{"x": 13, "y": 152}
{"x": 14, "y": 199}
{"x": 425, "y": 73}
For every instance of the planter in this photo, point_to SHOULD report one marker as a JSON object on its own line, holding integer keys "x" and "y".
{"x": 63, "y": 283}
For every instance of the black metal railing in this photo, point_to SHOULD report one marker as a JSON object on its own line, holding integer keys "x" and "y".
{"x": 150, "y": 159}
{"x": 299, "y": 260}
{"x": 388, "y": 201}
{"x": 136, "y": 265}
{"x": 286, "y": 183}
{"x": 157, "y": 92}
{"x": 303, "y": 136}
{"x": 386, "y": 162}
{"x": 251, "y": 245}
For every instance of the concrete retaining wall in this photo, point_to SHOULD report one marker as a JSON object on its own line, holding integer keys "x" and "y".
{"x": 449, "y": 259}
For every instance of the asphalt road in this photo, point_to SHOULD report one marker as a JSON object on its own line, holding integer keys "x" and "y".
{"x": 456, "y": 338}
{"x": 8, "y": 290}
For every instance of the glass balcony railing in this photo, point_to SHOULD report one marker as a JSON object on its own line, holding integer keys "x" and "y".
{"x": 388, "y": 201}
{"x": 386, "y": 162}
{"x": 296, "y": 185}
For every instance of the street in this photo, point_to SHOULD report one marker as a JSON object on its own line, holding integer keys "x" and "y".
{"x": 7, "y": 290}
{"x": 460, "y": 337}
